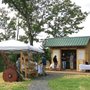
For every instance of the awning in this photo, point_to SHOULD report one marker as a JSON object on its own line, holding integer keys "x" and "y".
{"x": 14, "y": 45}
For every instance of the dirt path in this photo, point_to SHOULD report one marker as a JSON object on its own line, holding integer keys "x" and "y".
{"x": 41, "y": 83}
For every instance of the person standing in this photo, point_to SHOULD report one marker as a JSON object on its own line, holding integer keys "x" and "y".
{"x": 63, "y": 61}
{"x": 71, "y": 61}
{"x": 44, "y": 64}
{"x": 18, "y": 63}
{"x": 40, "y": 68}
{"x": 55, "y": 62}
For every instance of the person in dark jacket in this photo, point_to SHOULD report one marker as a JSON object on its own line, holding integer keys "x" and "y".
{"x": 44, "y": 64}
{"x": 63, "y": 61}
{"x": 55, "y": 62}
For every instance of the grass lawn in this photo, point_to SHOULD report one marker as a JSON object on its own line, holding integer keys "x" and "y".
{"x": 14, "y": 85}
{"x": 71, "y": 82}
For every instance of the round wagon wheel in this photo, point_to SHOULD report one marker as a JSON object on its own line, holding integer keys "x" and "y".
{"x": 10, "y": 75}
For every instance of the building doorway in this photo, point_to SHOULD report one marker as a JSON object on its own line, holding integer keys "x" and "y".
{"x": 66, "y": 54}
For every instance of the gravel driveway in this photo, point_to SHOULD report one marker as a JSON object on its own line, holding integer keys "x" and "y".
{"x": 41, "y": 83}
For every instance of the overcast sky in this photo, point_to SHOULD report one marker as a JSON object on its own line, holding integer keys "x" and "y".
{"x": 85, "y": 6}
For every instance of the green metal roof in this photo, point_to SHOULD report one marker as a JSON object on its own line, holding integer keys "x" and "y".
{"x": 67, "y": 41}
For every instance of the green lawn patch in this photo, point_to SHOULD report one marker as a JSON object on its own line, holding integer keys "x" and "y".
{"x": 71, "y": 82}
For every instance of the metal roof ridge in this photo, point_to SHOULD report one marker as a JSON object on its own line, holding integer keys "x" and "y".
{"x": 70, "y": 37}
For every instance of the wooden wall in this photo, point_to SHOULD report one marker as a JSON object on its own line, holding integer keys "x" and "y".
{"x": 24, "y": 63}
{"x": 56, "y": 51}
{"x": 82, "y": 55}
{"x": 88, "y": 53}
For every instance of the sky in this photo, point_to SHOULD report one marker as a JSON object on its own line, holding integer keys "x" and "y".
{"x": 85, "y": 6}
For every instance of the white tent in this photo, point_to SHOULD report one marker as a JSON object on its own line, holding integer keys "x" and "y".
{"x": 36, "y": 49}
{"x": 11, "y": 45}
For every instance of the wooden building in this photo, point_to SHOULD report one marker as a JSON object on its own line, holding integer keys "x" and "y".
{"x": 78, "y": 46}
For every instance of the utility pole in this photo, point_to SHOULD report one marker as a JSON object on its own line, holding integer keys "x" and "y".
{"x": 17, "y": 28}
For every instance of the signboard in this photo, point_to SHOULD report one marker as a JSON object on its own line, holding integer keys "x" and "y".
{"x": 81, "y": 55}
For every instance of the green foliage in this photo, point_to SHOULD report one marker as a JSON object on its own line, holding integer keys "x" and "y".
{"x": 66, "y": 17}
{"x": 12, "y": 57}
{"x": 62, "y": 17}
{"x": 48, "y": 54}
{"x": 37, "y": 57}
{"x": 8, "y": 25}
{"x": 1, "y": 64}
{"x": 23, "y": 38}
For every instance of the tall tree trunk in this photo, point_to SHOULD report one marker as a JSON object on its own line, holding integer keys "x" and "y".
{"x": 30, "y": 34}
{"x": 29, "y": 23}
{"x": 31, "y": 39}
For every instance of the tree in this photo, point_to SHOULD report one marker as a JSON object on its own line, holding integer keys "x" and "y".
{"x": 48, "y": 54}
{"x": 62, "y": 17}
{"x": 7, "y": 25}
{"x": 66, "y": 17}
{"x": 23, "y": 38}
